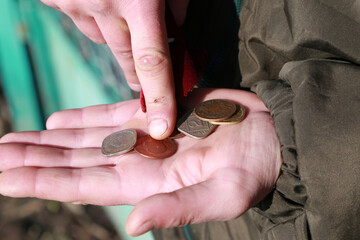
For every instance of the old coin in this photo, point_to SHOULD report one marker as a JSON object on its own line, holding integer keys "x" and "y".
{"x": 238, "y": 116}
{"x": 215, "y": 110}
{"x": 194, "y": 127}
{"x": 119, "y": 142}
{"x": 152, "y": 148}
{"x": 176, "y": 134}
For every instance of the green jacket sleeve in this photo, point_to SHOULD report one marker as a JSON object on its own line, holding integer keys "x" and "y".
{"x": 302, "y": 59}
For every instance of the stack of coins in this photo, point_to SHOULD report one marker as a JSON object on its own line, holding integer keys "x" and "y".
{"x": 126, "y": 140}
{"x": 197, "y": 123}
{"x": 203, "y": 119}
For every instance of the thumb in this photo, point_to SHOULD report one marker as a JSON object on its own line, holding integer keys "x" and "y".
{"x": 153, "y": 66}
{"x": 206, "y": 201}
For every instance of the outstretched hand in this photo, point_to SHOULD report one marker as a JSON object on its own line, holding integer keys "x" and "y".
{"x": 216, "y": 178}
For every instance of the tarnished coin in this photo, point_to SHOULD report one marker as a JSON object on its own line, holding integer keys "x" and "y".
{"x": 151, "y": 148}
{"x": 215, "y": 110}
{"x": 194, "y": 127}
{"x": 119, "y": 142}
{"x": 238, "y": 116}
{"x": 176, "y": 134}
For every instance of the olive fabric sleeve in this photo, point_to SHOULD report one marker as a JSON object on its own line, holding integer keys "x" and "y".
{"x": 315, "y": 105}
{"x": 302, "y": 59}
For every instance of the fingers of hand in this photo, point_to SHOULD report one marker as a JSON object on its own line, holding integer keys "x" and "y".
{"x": 116, "y": 32}
{"x": 94, "y": 185}
{"x": 136, "y": 33}
{"x": 67, "y": 185}
{"x": 95, "y": 116}
{"x": 14, "y": 155}
{"x": 80, "y": 16}
{"x": 220, "y": 198}
{"x": 88, "y": 26}
{"x": 63, "y": 138}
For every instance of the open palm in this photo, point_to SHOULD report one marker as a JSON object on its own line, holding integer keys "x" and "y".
{"x": 216, "y": 178}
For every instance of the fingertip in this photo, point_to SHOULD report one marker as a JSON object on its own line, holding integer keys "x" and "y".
{"x": 161, "y": 115}
{"x": 6, "y": 138}
{"x": 14, "y": 184}
{"x": 136, "y": 229}
{"x": 158, "y": 128}
{"x": 135, "y": 87}
{"x": 50, "y": 122}
{"x": 136, "y": 225}
{"x": 5, "y": 188}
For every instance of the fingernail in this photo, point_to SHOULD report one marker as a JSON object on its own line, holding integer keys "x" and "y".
{"x": 158, "y": 127}
{"x": 145, "y": 227}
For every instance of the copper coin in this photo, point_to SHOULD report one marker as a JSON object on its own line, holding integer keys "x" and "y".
{"x": 238, "y": 116}
{"x": 215, "y": 110}
{"x": 119, "y": 142}
{"x": 151, "y": 148}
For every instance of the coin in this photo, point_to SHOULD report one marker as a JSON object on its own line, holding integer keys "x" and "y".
{"x": 152, "y": 148}
{"x": 194, "y": 127}
{"x": 215, "y": 110}
{"x": 176, "y": 134}
{"x": 234, "y": 119}
{"x": 119, "y": 142}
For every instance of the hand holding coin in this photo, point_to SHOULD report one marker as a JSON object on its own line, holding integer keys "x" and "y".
{"x": 216, "y": 178}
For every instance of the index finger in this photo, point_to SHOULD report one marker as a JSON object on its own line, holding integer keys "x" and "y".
{"x": 153, "y": 66}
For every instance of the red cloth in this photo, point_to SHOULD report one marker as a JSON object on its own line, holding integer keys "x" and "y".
{"x": 185, "y": 74}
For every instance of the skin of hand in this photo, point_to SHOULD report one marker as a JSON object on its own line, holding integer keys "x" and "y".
{"x": 216, "y": 178}
{"x": 136, "y": 34}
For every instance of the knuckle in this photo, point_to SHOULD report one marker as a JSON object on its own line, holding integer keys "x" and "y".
{"x": 47, "y": 2}
{"x": 152, "y": 61}
{"x": 120, "y": 51}
{"x": 100, "y": 5}
{"x": 50, "y": 3}
{"x": 65, "y": 6}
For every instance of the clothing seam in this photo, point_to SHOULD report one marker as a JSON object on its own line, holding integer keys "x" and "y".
{"x": 277, "y": 224}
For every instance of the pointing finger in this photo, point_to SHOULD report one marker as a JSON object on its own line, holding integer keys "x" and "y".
{"x": 153, "y": 67}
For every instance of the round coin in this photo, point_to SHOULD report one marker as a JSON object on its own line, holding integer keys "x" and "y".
{"x": 151, "y": 148}
{"x": 238, "y": 116}
{"x": 119, "y": 142}
{"x": 215, "y": 110}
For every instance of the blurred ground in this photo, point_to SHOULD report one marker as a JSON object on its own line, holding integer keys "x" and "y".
{"x": 33, "y": 219}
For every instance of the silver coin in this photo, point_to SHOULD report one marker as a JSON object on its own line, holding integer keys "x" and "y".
{"x": 119, "y": 142}
{"x": 194, "y": 127}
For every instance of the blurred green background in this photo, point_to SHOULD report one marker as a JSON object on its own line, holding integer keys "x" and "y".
{"x": 47, "y": 65}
